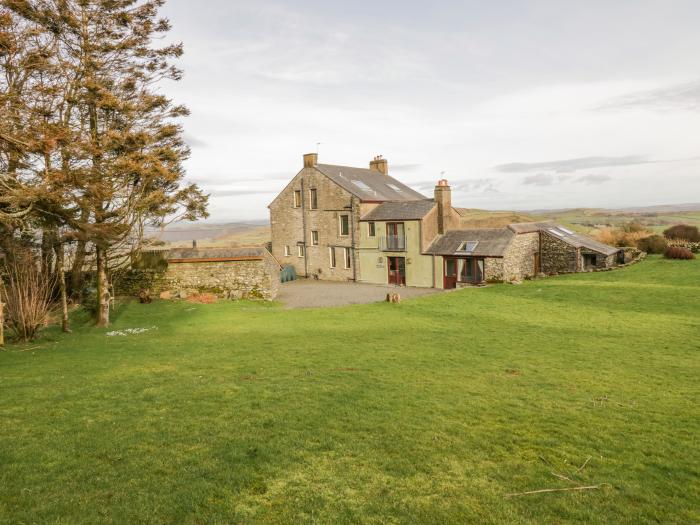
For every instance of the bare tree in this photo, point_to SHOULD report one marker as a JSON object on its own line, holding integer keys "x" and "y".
{"x": 28, "y": 294}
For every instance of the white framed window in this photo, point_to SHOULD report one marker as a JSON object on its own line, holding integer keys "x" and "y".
{"x": 371, "y": 229}
{"x": 300, "y": 250}
{"x": 331, "y": 257}
{"x": 287, "y": 251}
{"x": 297, "y": 198}
{"x": 344, "y": 225}
{"x": 348, "y": 259}
{"x": 313, "y": 199}
{"x": 314, "y": 238}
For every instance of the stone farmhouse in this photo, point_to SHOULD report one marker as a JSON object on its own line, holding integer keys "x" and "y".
{"x": 343, "y": 223}
{"x": 315, "y": 220}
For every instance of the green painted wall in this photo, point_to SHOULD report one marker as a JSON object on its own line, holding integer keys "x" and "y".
{"x": 373, "y": 262}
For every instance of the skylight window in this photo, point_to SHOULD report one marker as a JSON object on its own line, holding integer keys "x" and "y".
{"x": 468, "y": 246}
{"x": 361, "y": 185}
{"x": 394, "y": 187}
{"x": 556, "y": 232}
{"x": 568, "y": 232}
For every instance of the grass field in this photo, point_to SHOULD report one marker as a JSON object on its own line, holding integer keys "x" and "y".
{"x": 431, "y": 411}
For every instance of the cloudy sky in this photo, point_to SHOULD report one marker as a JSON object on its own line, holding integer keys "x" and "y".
{"x": 523, "y": 104}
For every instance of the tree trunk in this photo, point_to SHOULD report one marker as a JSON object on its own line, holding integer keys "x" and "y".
{"x": 76, "y": 273}
{"x": 102, "y": 288}
{"x": 60, "y": 257}
{"x": 48, "y": 243}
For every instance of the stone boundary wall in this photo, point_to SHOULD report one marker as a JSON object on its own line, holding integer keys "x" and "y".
{"x": 242, "y": 279}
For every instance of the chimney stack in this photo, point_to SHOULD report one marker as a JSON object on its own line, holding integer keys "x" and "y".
{"x": 443, "y": 199}
{"x": 310, "y": 160}
{"x": 379, "y": 164}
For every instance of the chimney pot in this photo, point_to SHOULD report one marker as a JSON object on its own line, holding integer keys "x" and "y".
{"x": 310, "y": 160}
{"x": 380, "y": 164}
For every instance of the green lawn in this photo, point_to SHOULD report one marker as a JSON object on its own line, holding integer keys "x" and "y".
{"x": 426, "y": 412}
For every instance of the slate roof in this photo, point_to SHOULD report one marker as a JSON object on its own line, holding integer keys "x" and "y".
{"x": 373, "y": 185}
{"x": 400, "y": 210}
{"x": 531, "y": 227}
{"x": 492, "y": 242}
{"x": 577, "y": 240}
{"x": 245, "y": 252}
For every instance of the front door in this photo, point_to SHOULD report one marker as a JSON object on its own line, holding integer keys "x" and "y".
{"x": 450, "y": 279}
{"x": 397, "y": 270}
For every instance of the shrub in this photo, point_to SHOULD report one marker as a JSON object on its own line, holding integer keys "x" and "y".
{"x": 620, "y": 238}
{"x": 678, "y": 252}
{"x": 652, "y": 244}
{"x": 685, "y": 232}
{"x": 27, "y": 294}
{"x": 632, "y": 227}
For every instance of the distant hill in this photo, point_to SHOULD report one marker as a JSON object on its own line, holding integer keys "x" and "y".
{"x": 473, "y": 218}
{"x": 653, "y": 218}
{"x": 211, "y": 234}
{"x": 587, "y": 220}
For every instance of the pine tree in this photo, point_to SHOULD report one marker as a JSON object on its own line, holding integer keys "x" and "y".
{"x": 118, "y": 140}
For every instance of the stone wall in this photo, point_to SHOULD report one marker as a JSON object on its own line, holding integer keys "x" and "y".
{"x": 602, "y": 261}
{"x": 246, "y": 279}
{"x": 557, "y": 256}
{"x": 493, "y": 269}
{"x": 519, "y": 260}
{"x": 287, "y": 223}
{"x": 230, "y": 279}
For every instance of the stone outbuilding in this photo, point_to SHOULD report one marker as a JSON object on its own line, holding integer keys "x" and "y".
{"x": 565, "y": 251}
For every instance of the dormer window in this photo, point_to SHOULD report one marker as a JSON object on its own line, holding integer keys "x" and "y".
{"x": 468, "y": 246}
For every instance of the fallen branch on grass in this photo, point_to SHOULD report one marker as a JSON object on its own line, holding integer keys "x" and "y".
{"x": 540, "y": 491}
{"x": 584, "y": 465}
{"x": 561, "y": 476}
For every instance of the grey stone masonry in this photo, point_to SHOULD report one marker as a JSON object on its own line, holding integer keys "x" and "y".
{"x": 558, "y": 256}
{"x": 293, "y": 223}
{"x": 253, "y": 277}
{"x": 519, "y": 260}
{"x": 315, "y": 220}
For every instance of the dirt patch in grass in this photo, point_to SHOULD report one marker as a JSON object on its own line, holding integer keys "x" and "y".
{"x": 202, "y": 298}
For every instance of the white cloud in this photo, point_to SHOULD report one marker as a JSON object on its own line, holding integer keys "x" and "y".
{"x": 458, "y": 87}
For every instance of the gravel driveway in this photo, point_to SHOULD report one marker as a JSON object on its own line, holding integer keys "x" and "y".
{"x": 319, "y": 294}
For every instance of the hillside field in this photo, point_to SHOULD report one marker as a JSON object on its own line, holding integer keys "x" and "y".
{"x": 431, "y": 411}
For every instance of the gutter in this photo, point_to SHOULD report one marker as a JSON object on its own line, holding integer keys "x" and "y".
{"x": 303, "y": 228}
{"x": 352, "y": 239}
